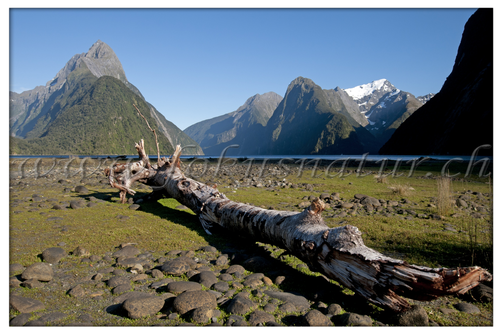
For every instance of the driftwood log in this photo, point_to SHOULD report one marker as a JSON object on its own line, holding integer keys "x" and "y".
{"x": 338, "y": 253}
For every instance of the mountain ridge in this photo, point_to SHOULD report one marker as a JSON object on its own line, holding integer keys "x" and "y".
{"x": 33, "y": 112}
{"x": 459, "y": 118}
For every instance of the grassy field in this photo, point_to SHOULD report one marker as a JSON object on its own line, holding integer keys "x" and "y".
{"x": 160, "y": 226}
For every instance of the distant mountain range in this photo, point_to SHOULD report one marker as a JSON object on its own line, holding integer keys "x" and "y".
{"x": 310, "y": 120}
{"x": 373, "y": 117}
{"x": 459, "y": 118}
{"x": 87, "y": 108}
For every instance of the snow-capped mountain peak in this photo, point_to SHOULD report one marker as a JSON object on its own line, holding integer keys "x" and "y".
{"x": 361, "y": 91}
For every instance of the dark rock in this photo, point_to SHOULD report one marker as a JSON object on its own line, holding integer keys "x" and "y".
{"x": 461, "y": 203}
{"x": 81, "y": 251}
{"x": 143, "y": 306}
{"x": 334, "y": 309}
{"x": 209, "y": 249}
{"x": 160, "y": 283}
{"x": 234, "y": 318}
{"x": 178, "y": 266}
{"x": 81, "y": 189}
{"x": 416, "y": 316}
{"x": 316, "y": 318}
{"x": 187, "y": 253}
{"x": 127, "y": 251}
{"x": 226, "y": 277}
{"x": 300, "y": 302}
{"x": 121, "y": 288}
{"x": 260, "y": 317}
{"x": 288, "y": 307}
{"x": 371, "y": 201}
{"x": 118, "y": 272}
{"x": 222, "y": 260}
{"x": 253, "y": 282}
{"x": 325, "y": 196}
{"x": 236, "y": 268}
{"x": 20, "y": 320}
{"x": 32, "y": 284}
{"x": 352, "y": 319}
{"x": 206, "y": 278}
{"x": 40, "y": 271}
{"x": 182, "y": 286}
{"x": 270, "y": 308}
{"x": 467, "y": 308}
{"x": 14, "y": 282}
{"x": 132, "y": 295}
{"x": 221, "y": 286}
{"x": 16, "y": 267}
{"x": 157, "y": 273}
{"x": 37, "y": 323}
{"x": 25, "y": 305}
{"x": 190, "y": 300}
{"x": 77, "y": 204}
{"x": 240, "y": 305}
{"x": 85, "y": 318}
{"x": 52, "y": 317}
{"x": 202, "y": 315}
{"x": 53, "y": 254}
{"x": 173, "y": 252}
{"x": 279, "y": 279}
{"x": 77, "y": 291}
{"x": 360, "y": 196}
{"x": 131, "y": 262}
{"x": 117, "y": 280}
{"x": 134, "y": 206}
{"x": 59, "y": 207}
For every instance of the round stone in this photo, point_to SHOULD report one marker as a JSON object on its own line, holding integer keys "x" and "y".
{"x": 40, "y": 271}
{"x": 53, "y": 254}
{"x": 190, "y": 300}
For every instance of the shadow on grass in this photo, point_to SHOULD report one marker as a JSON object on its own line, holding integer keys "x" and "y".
{"x": 251, "y": 255}
{"x": 241, "y": 250}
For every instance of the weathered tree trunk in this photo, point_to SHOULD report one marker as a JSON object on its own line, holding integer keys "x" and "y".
{"x": 339, "y": 253}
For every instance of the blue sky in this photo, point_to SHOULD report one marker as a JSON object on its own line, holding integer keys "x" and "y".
{"x": 195, "y": 64}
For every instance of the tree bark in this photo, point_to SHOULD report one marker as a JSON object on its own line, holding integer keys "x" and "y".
{"x": 338, "y": 253}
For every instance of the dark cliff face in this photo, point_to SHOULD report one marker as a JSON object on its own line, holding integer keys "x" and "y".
{"x": 460, "y": 117}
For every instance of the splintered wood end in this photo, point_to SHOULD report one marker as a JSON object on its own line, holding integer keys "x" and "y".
{"x": 317, "y": 206}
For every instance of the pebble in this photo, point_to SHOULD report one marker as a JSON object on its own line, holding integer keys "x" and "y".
{"x": 53, "y": 254}
{"x": 467, "y": 308}
{"x": 190, "y": 300}
{"x": 40, "y": 271}
{"x": 316, "y": 318}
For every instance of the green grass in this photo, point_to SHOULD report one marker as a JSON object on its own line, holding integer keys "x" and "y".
{"x": 160, "y": 227}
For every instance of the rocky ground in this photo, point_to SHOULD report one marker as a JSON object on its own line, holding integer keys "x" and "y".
{"x": 237, "y": 285}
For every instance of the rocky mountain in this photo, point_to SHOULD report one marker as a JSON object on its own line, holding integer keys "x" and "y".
{"x": 306, "y": 123}
{"x": 384, "y": 106}
{"x": 425, "y": 98}
{"x": 212, "y": 133}
{"x": 38, "y": 116}
{"x": 459, "y": 118}
{"x": 308, "y": 120}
